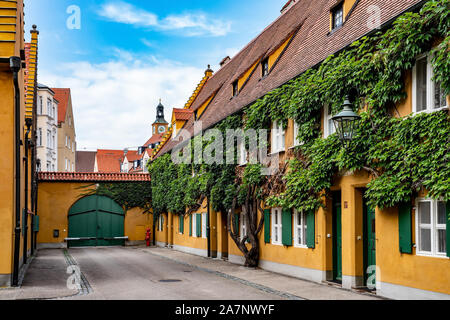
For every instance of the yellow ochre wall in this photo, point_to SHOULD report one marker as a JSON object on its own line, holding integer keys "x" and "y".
{"x": 12, "y": 41}
{"x": 55, "y": 200}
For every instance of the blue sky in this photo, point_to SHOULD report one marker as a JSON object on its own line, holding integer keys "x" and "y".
{"x": 128, "y": 54}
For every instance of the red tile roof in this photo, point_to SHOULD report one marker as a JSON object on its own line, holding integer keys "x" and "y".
{"x": 108, "y": 161}
{"x": 183, "y": 114}
{"x": 63, "y": 96}
{"x": 91, "y": 177}
{"x": 133, "y": 156}
{"x": 312, "y": 44}
{"x": 155, "y": 139}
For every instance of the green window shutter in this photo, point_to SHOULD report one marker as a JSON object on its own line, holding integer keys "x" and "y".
{"x": 181, "y": 224}
{"x": 267, "y": 226}
{"x": 448, "y": 229}
{"x": 311, "y": 229}
{"x": 199, "y": 225}
{"x": 36, "y": 223}
{"x": 190, "y": 225}
{"x": 236, "y": 224}
{"x": 287, "y": 227}
{"x": 405, "y": 227}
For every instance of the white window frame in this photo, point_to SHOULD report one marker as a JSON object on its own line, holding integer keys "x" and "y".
{"x": 243, "y": 152}
{"x": 194, "y": 225}
{"x": 277, "y": 226}
{"x": 242, "y": 226}
{"x": 433, "y": 226}
{"x": 39, "y": 138}
{"x": 300, "y": 230}
{"x": 66, "y": 164}
{"x": 41, "y": 106}
{"x": 327, "y": 123}
{"x": 278, "y": 138}
{"x": 297, "y": 142}
{"x": 160, "y": 223}
{"x": 430, "y": 87}
{"x": 204, "y": 218}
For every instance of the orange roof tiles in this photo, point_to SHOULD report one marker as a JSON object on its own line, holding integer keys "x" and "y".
{"x": 92, "y": 177}
{"x": 62, "y": 95}
{"x": 182, "y": 114}
{"x": 108, "y": 161}
{"x": 155, "y": 139}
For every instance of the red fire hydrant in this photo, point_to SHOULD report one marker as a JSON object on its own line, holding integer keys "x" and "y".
{"x": 148, "y": 237}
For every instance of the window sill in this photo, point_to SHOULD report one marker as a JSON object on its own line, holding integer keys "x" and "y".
{"x": 276, "y": 244}
{"x": 429, "y": 111}
{"x": 277, "y": 152}
{"x": 430, "y": 255}
{"x": 300, "y": 246}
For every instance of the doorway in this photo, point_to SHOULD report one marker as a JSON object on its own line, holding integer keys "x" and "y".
{"x": 337, "y": 237}
{"x": 369, "y": 243}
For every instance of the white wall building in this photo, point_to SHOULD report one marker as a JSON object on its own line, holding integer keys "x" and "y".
{"x": 47, "y": 125}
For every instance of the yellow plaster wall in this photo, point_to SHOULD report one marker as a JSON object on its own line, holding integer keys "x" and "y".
{"x": 306, "y": 258}
{"x": 277, "y": 53}
{"x": 409, "y": 270}
{"x": 55, "y": 200}
{"x": 137, "y": 223}
{"x": 6, "y": 169}
{"x": 204, "y": 106}
{"x": 246, "y": 75}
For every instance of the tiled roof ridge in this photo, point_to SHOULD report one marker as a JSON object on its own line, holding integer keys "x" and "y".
{"x": 91, "y": 177}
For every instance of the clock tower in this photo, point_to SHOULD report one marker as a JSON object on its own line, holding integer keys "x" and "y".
{"x": 160, "y": 125}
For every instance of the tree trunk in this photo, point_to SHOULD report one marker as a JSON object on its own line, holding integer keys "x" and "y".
{"x": 249, "y": 244}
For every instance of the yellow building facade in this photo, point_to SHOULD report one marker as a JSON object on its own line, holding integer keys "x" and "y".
{"x": 353, "y": 246}
{"x": 17, "y": 92}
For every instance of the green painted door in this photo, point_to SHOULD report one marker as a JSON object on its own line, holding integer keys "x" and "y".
{"x": 369, "y": 242}
{"x": 96, "y": 221}
{"x": 337, "y": 237}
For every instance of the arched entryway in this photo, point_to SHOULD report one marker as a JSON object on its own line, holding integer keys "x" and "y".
{"x": 96, "y": 221}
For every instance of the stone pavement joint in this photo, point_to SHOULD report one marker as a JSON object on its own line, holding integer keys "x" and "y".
{"x": 86, "y": 288}
{"x": 233, "y": 278}
{"x": 278, "y": 284}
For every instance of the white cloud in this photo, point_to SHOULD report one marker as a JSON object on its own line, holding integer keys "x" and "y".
{"x": 198, "y": 24}
{"x": 115, "y": 102}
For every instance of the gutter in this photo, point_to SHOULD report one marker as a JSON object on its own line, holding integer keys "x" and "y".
{"x": 28, "y": 123}
{"x": 15, "y": 65}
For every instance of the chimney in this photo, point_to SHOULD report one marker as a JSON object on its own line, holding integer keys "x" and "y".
{"x": 225, "y": 61}
{"x": 288, "y": 5}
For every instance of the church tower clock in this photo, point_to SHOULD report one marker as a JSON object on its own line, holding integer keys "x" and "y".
{"x": 160, "y": 125}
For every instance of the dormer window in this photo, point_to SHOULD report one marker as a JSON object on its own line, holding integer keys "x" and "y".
{"x": 337, "y": 16}
{"x": 265, "y": 67}
{"x": 235, "y": 88}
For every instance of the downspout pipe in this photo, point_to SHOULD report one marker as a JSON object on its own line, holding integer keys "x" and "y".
{"x": 15, "y": 65}
{"x": 28, "y": 123}
{"x": 208, "y": 228}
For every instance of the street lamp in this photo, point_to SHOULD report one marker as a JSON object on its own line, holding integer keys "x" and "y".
{"x": 345, "y": 123}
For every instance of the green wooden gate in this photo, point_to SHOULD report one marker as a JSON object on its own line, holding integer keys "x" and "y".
{"x": 369, "y": 241}
{"x": 96, "y": 221}
{"x": 337, "y": 237}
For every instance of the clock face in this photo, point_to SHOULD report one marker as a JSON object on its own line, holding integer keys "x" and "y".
{"x": 161, "y": 129}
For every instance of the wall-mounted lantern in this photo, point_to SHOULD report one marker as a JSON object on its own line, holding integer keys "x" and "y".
{"x": 345, "y": 123}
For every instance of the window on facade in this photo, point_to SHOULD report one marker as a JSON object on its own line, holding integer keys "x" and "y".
{"x": 243, "y": 226}
{"x": 41, "y": 105}
{"x": 297, "y": 141}
{"x": 265, "y": 67}
{"x": 194, "y": 225}
{"x": 278, "y": 137}
{"x": 235, "y": 88}
{"x": 337, "y": 16}
{"x": 39, "y": 137}
{"x": 73, "y": 146}
{"x": 204, "y": 230}
{"x": 49, "y": 107}
{"x": 300, "y": 229}
{"x": 66, "y": 163}
{"x": 276, "y": 226}
{"x": 328, "y": 125}
{"x": 427, "y": 94}
{"x": 161, "y": 223}
{"x": 242, "y": 152}
{"x": 73, "y": 167}
{"x": 431, "y": 222}
{"x": 49, "y": 135}
{"x": 68, "y": 145}
{"x": 49, "y": 167}
{"x": 53, "y": 141}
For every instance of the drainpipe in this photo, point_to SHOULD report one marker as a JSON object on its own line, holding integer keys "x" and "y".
{"x": 208, "y": 228}
{"x": 28, "y": 123}
{"x": 15, "y": 64}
